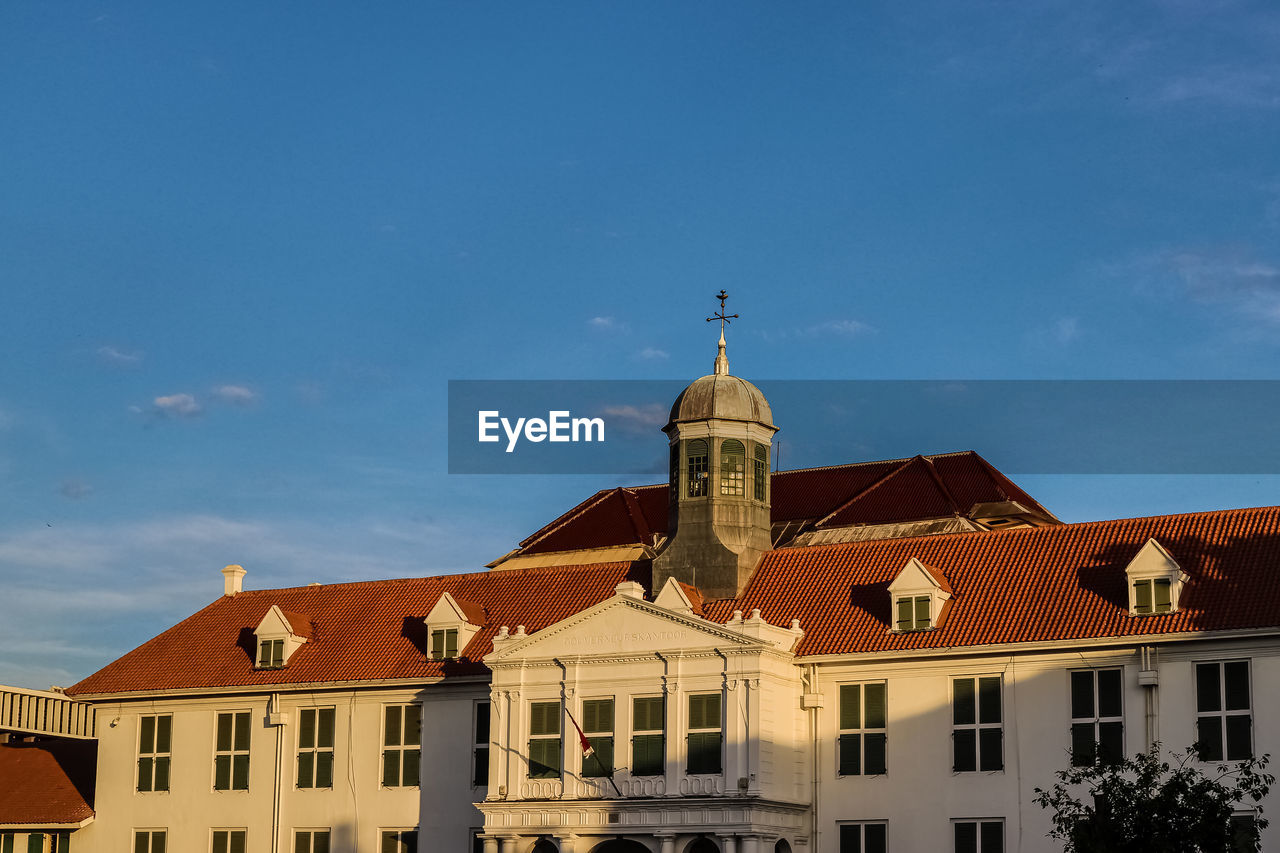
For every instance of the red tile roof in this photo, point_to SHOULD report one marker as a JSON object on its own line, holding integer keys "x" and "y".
{"x": 1058, "y": 582}
{"x": 46, "y": 784}
{"x": 362, "y": 631}
{"x": 896, "y": 490}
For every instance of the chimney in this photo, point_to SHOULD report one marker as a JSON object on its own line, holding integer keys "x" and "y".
{"x": 233, "y": 579}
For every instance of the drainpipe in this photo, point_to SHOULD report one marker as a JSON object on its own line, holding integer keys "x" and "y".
{"x": 811, "y": 701}
{"x": 1149, "y": 678}
{"x": 277, "y": 720}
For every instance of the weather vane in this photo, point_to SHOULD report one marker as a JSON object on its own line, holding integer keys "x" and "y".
{"x": 720, "y": 315}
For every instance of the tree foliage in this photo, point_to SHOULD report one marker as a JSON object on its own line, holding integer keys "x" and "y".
{"x": 1146, "y": 804}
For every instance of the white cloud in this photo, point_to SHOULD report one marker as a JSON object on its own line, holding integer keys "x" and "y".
{"x": 602, "y": 323}
{"x": 236, "y": 395}
{"x": 1233, "y": 278}
{"x": 177, "y": 405}
{"x": 841, "y": 328}
{"x": 636, "y": 418}
{"x": 654, "y": 354}
{"x": 112, "y": 355}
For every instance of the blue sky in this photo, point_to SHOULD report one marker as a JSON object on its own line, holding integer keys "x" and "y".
{"x": 244, "y": 248}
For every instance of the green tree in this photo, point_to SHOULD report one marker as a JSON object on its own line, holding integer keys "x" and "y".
{"x": 1145, "y": 804}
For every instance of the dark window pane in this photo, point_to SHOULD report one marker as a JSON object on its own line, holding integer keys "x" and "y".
{"x": 1109, "y": 693}
{"x": 391, "y": 737}
{"x": 1236, "y": 676}
{"x": 963, "y": 704}
{"x": 324, "y": 737}
{"x": 412, "y": 765}
{"x": 876, "y": 838}
{"x": 850, "y": 838}
{"x": 850, "y": 706}
{"x": 597, "y": 716}
{"x": 1209, "y": 738}
{"x": 224, "y": 731}
{"x": 1082, "y": 695}
{"x": 242, "y": 730}
{"x": 1110, "y": 742}
{"x": 480, "y": 773}
{"x": 482, "y": 722}
{"x": 991, "y": 742}
{"x": 544, "y": 758}
{"x": 324, "y": 770}
{"x": 1142, "y": 597}
{"x": 876, "y": 703}
{"x": 437, "y": 645}
{"x": 320, "y": 842}
{"x": 306, "y": 769}
{"x": 874, "y": 749}
{"x": 1082, "y": 745}
{"x": 988, "y": 700}
{"x": 302, "y": 842}
{"x": 648, "y": 755}
{"x": 390, "y": 842}
{"x": 992, "y": 837}
{"x": 413, "y": 725}
{"x": 141, "y": 842}
{"x": 391, "y": 768}
{"x": 240, "y": 773}
{"x": 220, "y": 842}
{"x": 147, "y": 736}
{"x": 236, "y": 842}
{"x": 966, "y": 750}
{"x": 222, "y": 772}
{"x": 922, "y": 612}
{"x": 158, "y": 842}
{"x": 544, "y": 718}
{"x": 1238, "y": 737}
{"x": 451, "y": 643}
{"x": 600, "y": 762}
{"x": 1244, "y": 834}
{"x": 277, "y": 653}
{"x": 1208, "y": 693}
{"x": 144, "y": 774}
{"x": 704, "y": 752}
{"x": 966, "y": 838}
{"x": 850, "y": 755}
{"x": 162, "y": 773}
{"x": 1163, "y": 596}
{"x": 307, "y": 728}
{"x": 905, "y": 622}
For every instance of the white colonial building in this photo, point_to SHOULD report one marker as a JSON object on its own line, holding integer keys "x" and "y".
{"x": 867, "y": 657}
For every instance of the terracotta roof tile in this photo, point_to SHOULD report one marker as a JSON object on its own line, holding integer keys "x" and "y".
{"x": 299, "y": 623}
{"x": 46, "y": 784}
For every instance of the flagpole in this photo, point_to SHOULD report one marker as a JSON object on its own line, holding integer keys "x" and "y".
{"x": 589, "y": 750}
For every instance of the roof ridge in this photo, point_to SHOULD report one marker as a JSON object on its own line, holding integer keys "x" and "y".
{"x": 564, "y": 518}
{"x": 906, "y": 463}
{"x": 942, "y": 486}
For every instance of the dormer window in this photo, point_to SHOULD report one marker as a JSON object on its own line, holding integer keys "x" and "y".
{"x": 271, "y": 654}
{"x": 278, "y": 636}
{"x": 444, "y": 644}
{"x": 1155, "y": 581}
{"x": 919, "y": 594}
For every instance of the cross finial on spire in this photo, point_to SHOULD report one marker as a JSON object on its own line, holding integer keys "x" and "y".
{"x": 722, "y": 360}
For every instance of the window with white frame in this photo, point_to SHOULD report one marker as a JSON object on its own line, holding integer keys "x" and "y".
{"x": 311, "y": 840}
{"x": 149, "y": 841}
{"x": 1224, "y": 716}
{"x": 6, "y": 842}
{"x": 315, "y": 747}
{"x": 229, "y": 840}
{"x": 863, "y": 719}
{"x": 399, "y": 841}
{"x": 914, "y": 612}
{"x": 705, "y": 733}
{"x": 444, "y": 644}
{"x": 401, "y": 745}
{"x": 864, "y": 837}
{"x": 1245, "y": 836}
{"x": 597, "y": 725}
{"x": 1152, "y": 595}
{"x": 480, "y": 748}
{"x": 648, "y": 736}
{"x": 1097, "y": 717}
{"x": 979, "y": 836}
{"x": 977, "y": 724}
{"x": 760, "y": 478}
{"x": 231, "y": 752}
{"x": 544, "y": 740}
{"x": 155, "y": 737}
{"x": 733, "y": 467}
{"x": 271, "y": 654}
{"x": 696, "y": 468}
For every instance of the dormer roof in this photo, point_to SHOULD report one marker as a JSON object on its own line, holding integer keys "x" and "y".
{"x": 279, "y": 622}
{"x": 448, "y": 609}
{"x": 916, "y": 575}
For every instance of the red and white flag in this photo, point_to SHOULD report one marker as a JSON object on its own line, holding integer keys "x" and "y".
{"x": 587, "y": 749}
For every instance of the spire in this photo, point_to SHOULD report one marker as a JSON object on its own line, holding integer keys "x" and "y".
{"x": 722, "y": 360}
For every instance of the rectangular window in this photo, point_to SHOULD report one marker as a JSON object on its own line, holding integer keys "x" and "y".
{"x": 1224, "y": 719}
{"x": 480, "y": 750}
{"x": 597, "y": 725}
{"x": 648, "y": 738}
{"x": 761, "y": 474}
{"x": 977, "y": 736}
{"x": 155, "y": 734}
{"x": 1152, "y": 596}
{"x": 6, "y": 842}
{"x": 311, "y": 841}
{"x": 1244, "y": 833}
{"x": 399, "y": 841}
{"x": 979, "y": 836}
{"x": 914, "y": 613}
{"x": 705, "y": 733}
{"x": 231, "y": 755}
{"x": 315, "y": 747}
{"x": 696, "y": 468}
{"x": 444, "y": 644}
{"x": 544, "y": 740}
{"x": 864, "y": 837}
{"x": 1097, "y": 718}
{"x": 863, "y": 718}
{"x": 401, "y": 746}
{"x": 229, "y": 840}
{"x": 271, "y": 654}
{"x": 148, "y": 841}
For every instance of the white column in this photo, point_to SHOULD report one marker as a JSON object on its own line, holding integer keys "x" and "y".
{"x": 735, "y": 735}
{"x": 752, "y": 746}
{"x": 567, "y": 843}
{"x": 509, "y": 843}
{"x": 490, "y": 843}
{"x": 728, "y": 844}
{"x": 668, "y": 843}
{"x": 676, "y": 746}
{"x": 751, "y": 844}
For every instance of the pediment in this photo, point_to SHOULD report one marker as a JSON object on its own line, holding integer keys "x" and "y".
{"x": 274, "y": 624}
{"x": 1152, "y": 560}
{"x": 621, "y": 626}
{"x": 915, "y": 576}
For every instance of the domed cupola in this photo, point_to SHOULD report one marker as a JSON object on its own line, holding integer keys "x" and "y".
{"x": 721, "y": 433}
